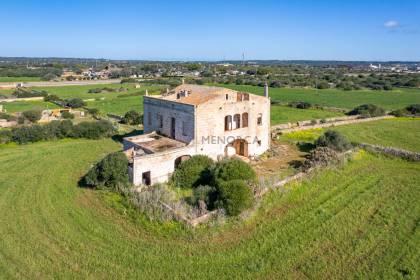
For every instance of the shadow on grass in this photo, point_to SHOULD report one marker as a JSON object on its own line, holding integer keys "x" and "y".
{"x": 119, "y": 137}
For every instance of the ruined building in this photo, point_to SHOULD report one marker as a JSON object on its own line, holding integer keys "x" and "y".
{"x": 192, "y": 120}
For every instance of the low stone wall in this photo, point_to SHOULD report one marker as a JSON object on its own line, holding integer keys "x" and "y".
{"x": 328, "y": 124}
{"x": 396, "y": 152}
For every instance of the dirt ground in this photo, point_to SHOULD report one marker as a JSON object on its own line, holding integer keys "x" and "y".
{"x": 280, "y": 161}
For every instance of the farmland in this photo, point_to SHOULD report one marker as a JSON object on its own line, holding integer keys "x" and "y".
{"x": 20, "y": 106}
{"x": 400, "y": 132}
{"x": 394, "y": 99}
{"x": 19, "y": 79}
{"x": 284, "y": 114}
{"x": 330, "y": 226}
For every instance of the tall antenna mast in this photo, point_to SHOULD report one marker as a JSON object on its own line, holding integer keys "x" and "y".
{"x": 243, "y": 58}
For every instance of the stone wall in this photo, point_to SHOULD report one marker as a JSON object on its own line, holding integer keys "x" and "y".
{"x": 408, "y": 155}
{"x": 323, "y": 125}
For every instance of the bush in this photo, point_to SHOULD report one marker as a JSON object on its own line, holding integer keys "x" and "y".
{"x": 5, "y": 136}
{"x": 75, "y": 103}
{"x": 48, "y": 77}
{"x": 193, "y": 172}
{"x": 110, "y": 172}
{"x": 7, "y": 117}
{"x": 51, "y": 97}
{"x": 32, "y": 115}
{"x": 367, "y": 110}
{"x": 414, "y": 109}
{"x": 300, "y": 104}
{"x": 67, "y": 115}
{"x": 93, "y": 111}
{"x": 234, "y": 196}
{"x": 320, "y": 157}
{"x": 21, "y": 93}
{"x": 399, "y": 113}
{"x": 204, "y": 196}
{"x": 62, "y": 129}
{"x": 233, "y": 169}
{"x": 93, "y": 130}
{"x": 334, "y": 140}
{"x": 133, "y": 118}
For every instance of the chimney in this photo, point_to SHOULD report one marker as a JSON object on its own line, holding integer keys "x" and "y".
{"x": 167, "y": 90}
{"x": 266, "y": 90}
{"x": 183, "y": 81}
{"x": 146, "y": 93}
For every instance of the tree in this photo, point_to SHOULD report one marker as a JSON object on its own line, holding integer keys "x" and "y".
{"x": 333, "y": 140}
{"x": 133, "y": 118}
{"x": 75, "y": 103}
{"x": 110, "y": 172}
{"x": 49, "y": 77}
{"x": 32, "y": 115}
{"x": 67, "y": 115}
{"x": 234, "y": 196}
{"x": 233, "y": 169}
{"x": 193, "y": 172}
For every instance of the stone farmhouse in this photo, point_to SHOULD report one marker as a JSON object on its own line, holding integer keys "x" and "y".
{"x": 192, "y": 120}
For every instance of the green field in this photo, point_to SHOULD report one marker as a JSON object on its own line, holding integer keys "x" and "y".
{"x": 400, "y": 132}
{"x": 19, "y": 79}
{"x": 360, "y": 221}
{"x": 394, "y": 99}
{"x": 111, "y": 103}
{"x": 20, "y": 106}
{"x": 284, "y": 114}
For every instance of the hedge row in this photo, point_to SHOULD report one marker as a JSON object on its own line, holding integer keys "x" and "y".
{"x": 57, "y": 130}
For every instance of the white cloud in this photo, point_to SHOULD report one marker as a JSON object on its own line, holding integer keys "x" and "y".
{"x": 392, "y": 24}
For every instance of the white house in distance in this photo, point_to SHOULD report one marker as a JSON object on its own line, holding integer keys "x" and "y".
{"x": 192, "y": 120}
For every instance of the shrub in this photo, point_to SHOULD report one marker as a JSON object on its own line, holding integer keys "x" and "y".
{"x": 95, "y": 90}
{"x": 32, "y": 115}
{"x": 5, "y": 136}
{"x": 21, "y": 93}
{"x": 320, "y": 157}
{"x": 193, "y": 172}
{"x": 300, "y": 104}
{"x": 334, "y": 140}
{"x": 399, "y": 112}
{"x": 93, "y": 111}
{"x": 204, "y": 195}
{"x": 51, "y": 97}
{"x": 110, "y": 172}
{"x": 67, "y": 115}
{"x": 128, "y": 80}
{"x": 7, "y": 117}
{"x": 93, "y": 130}
{"x": 367, "y": 110}
{"x": 234, "y": 196}
{"x": 75, "y": 103}
{"x": 49, "y": 77}
{"x": 233, "y": 169}
{"x": 413, "y": 109}
{"x": 133, "y": 118}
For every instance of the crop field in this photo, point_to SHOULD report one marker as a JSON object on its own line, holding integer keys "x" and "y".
{"x": 20, "y": 106}
{"x": 399, "y": 132}
{"x": 19, "y": 79}
{"x": 395, "y": 99}
{"x": 358, "y": 221}
{"x": 285, "y": 114}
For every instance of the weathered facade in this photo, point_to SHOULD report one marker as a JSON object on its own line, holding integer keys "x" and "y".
{"x": 193, "y": 119}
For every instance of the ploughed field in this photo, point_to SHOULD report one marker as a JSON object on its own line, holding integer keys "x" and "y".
{"x": 394, "y": 99}
{"x": 356, "y": 221}
{"x": 401, "y": 133}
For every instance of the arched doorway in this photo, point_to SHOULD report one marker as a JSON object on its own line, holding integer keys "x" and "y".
{"x": 238, "y": 147}
{"x": 180, "y": 159}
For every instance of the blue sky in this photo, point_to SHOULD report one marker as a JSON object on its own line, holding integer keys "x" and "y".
{"x": 212, "y": 30}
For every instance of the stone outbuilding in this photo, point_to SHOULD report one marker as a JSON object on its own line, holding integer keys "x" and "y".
{"x": 191, "y": 120}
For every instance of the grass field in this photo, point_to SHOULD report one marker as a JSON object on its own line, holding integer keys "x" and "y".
{"x": 19, "y": 79}
{"x": 394, "y": 99}
{"x": 284, "y": 114}
{"x": 400, "y": 132}
{"x": 20, "y": 106}
{"x": 360, "y": 221}
{"x": 111, "y": 103}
